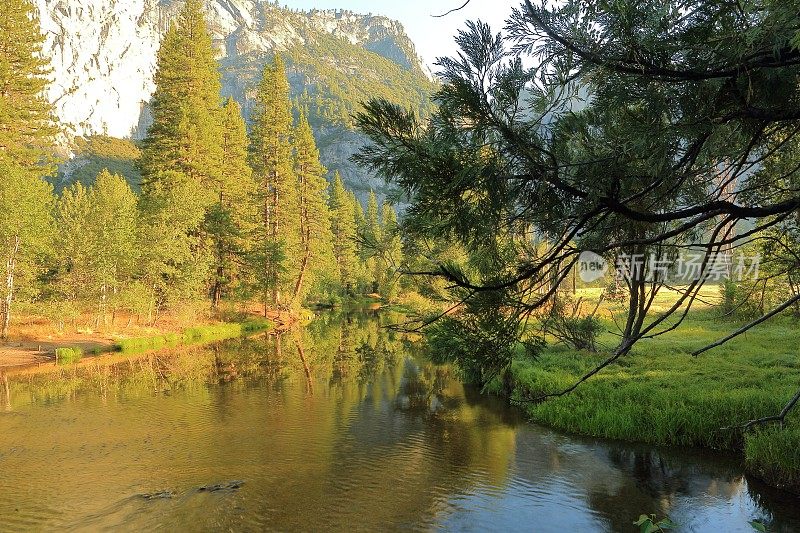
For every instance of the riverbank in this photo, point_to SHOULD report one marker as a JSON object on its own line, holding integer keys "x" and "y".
{"x": 661, "y": 395}
{"x": 37, "y": 347}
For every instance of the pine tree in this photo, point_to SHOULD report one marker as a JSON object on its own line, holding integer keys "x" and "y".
{"x": 277, "y": 253}
{"x": 314, "y": 216}
{"x": 372, "y": 223}
{"x": 186, "y": 132}
{"x": 391, "y": 251}
{"x": 170, "y": 267}
{"x": 365, "y": 263}
{"x": 372, "y": 238}
{"x": 345, "y": 233}
{"x": 231, "y": 217}
{"x": 26, "y": 144}
{"x": 182, "y": 159}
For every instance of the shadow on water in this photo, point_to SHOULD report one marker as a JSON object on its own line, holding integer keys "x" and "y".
{"x": 338, "y": 426}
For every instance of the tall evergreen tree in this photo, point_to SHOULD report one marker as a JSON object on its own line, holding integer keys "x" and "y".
{"x": 364, "y": 270}
{"x": 372, "y": 222}
{"x": 277, "y": 238}
{"x": 372, "y": 238}
{"x": 391, "y": 251}
{"x": 230, "y": 218}
{"x": 182, "y": 158}
{"x": 186, "y": 132}
{"x": 171, "y": 269}
{"x": 345, "y": 233}
{"x": 314, "y": 216}
{"x": 26, "y": 144}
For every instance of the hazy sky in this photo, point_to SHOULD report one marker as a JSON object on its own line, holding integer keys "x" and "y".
{"x": 433, "y": 36}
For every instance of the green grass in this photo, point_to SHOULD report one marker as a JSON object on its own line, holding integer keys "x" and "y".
{"x": 195, "y": 335}
{"x": 662, "y": 395}
{"x": 68, "y": 356}
{"x": 772, "y": 454}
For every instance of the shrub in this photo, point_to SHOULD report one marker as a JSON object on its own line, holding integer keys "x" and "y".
{"x": 743, "y": 300}
{"x": 256, "y": 325}
{"x": 568, "y": 326}
{"x": 68, "y": 356}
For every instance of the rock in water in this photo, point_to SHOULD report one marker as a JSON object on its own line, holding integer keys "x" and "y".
{"x": 228, "y": 486}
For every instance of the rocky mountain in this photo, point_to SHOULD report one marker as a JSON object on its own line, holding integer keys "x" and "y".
{"x": 104, "y": 55}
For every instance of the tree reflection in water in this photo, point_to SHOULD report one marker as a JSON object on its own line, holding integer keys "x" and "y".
{"x": 338, "y": 425}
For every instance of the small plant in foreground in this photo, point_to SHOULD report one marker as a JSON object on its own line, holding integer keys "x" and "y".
{"x": 649, "y": 524}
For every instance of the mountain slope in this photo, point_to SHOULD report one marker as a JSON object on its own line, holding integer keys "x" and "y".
{"x": 103, "y": 56}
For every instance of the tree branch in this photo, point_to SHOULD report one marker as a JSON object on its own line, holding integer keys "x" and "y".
{"x": 452, "y": 10}
{"x": 780, "y": 417}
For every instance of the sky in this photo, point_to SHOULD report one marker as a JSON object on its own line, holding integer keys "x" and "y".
{"x": 432, "y": 36}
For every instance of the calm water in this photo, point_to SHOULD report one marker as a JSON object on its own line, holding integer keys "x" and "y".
{"x": 337, "y": 427}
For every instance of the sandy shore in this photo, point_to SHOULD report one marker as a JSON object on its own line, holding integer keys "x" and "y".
{"x": 27, "y": 352}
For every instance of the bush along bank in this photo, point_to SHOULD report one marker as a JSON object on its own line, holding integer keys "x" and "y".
{"x": 67, "y": 356}
{"x": 673, "y": 399}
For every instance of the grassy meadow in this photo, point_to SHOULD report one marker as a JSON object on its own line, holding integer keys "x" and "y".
{"x": 661, "y": 394}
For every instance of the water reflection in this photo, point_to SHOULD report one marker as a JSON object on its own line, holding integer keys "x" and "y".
{"x": 333, "y": 427}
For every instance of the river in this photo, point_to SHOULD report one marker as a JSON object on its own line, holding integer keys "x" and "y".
{"x": 335, "y": 427}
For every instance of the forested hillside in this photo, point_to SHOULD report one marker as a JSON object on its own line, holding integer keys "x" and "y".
{"x": 104, "y": 61}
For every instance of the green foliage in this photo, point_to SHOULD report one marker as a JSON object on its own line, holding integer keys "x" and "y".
{"x": 391, "y": 253}
{"x": 231, "y": 218}
{"x": 344, "y": 231}
{"x": 316, "y": 238}
{"x": 98, "y": 238}
{"x": 182, "y": 161}
{"x": 141, "y": 344}
{"x": 68, "y": 356}
{"x": 186, "y": 132}
{"x": 204, "y": 222}
{"x": 25, "y": 113}
{"x": 742, "y": 299}
{"x": 481, "y": 341}
{"x": 378, "y": 247}
{"x": 651, "y": 524}
{"x": 617, "y": 128}
{"x": 26, "y": 147}
{"x": 579, "y": 332}
{"x": 276, "y": 260}
{"x": 171, "y": 214}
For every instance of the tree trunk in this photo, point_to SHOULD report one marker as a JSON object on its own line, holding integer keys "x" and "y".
{"x": 101, "y": 311}
{"x": 216, "y": 294}
{"x": 301, "y": 277}
{"x": 5, "y": 305}
{"x": 276, "y": 293}
{"x": 305, "y": 239}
